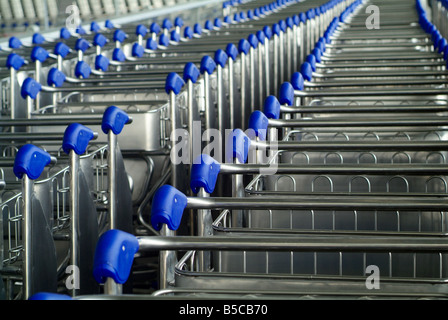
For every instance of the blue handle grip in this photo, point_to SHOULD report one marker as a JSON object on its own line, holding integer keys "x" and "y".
{"x": 307, "y": 71}
{"x": 38, "y": 38}
{"x": 258, "y": 125}
{"x": 243, "y": 46}
{"x": 221, "y": 57}
{"x": 297, "y": 81}
{"x": 118, "y": 55}
{"x": 137, "y": 50}
{"x": 272, "y": 107}
{"x": 286, "y": 95}
{"x": 154, "y": 28}
{"x": 237, "y": 146}
{"x": 77, "y": 138}
{"x": 100, "y": 40}
{"x": 114, "y": 119}
{"x": 141, "y": 30}
{"x": 61, "y": 49}
{"x": 109, "y": 24}
{"x": 168, "y": 207}
{"x": 188, "y": 32}
{"x": 14, "y": 43}
{"x": 82, "y": 45}
{"x": 30, "y": 88}
{"x": 191, "y": 72}
{"x": 95, "y": 27}
{"x": 15, "y": 61}
{"x": 30, "y": 160}
{"x": 55, "y": 78}
{"x": 47, "y": 296}
{"x": 204, "y": 173}
{"x": 82, "y": 70}
{"x": 232, "y": 51}
{"x": 101, "y": 62}
{"x": 166, "y": 24}
{"x": 174, "y": 83}
{"x": 267, "y": 32}
{"x": 114, "y": 256}
{"x": 178, "y": 22}
{"x": 207, "y": 65}
{"x": 261, "y": 36}
{"x": 120, "y": 35}
{"x": 151, "y": 44}
{"x": 64, "y": 33}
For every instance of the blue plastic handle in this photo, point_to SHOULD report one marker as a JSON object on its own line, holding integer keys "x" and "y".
{"x": 311, "y": 59}
{"x": 95, "y": 27}
{"x": 82, "y": 70}
{"x": 141, "y": 30}
{"x": 55, "y": 77}
{"x": 30, "y": 160}
{"x": 30, "y": 88}
{"x": 100, "y": 40}
{"x": 204, "y": 173}
{"x": 154, "y": 28}
{"x": 101, "y": 62}
{"x": 286, "y": 95}
{"x": 307, "y": 71}
{"x": 174, "y": 83}
{"x": 118, "y": 55}
{"x": 77, "y": 138}
{"x": 232, "y": 51}
{"x": 114, "y": 256}
{"x": 243, "y": 46}
{"x": 197, "y": 29}
{"x": 272, "y": 107}
{"x": 207, "y": 65}
{"x": 80, "y": 30}
{"x": 14, "y": 43}
{"x": 221, "y": 57}
{"x": 237, "y": 146}
{"x": 15, "y": 61}
{"x": 208, "y": 25}
{"x": 137, "y": 50}
{"x": 64, "y": 33}
{"x": 82, "y": 45}
{"x": 317, "y": 54}
{"x": 114, "y": 119}
{"x": 261, "y": 36}
{"x": 188, "y": 33}
{"x": 61, "y": 49}
{"x": 174, "y": 36}
{"x": 267, "y": 32}
{"x": 166, "y": 24}
{"x": 38, "y": 38}
{"x": 217, "y": 23}
{"x": 178, "y": 22}
{"x": 120, "y": 35}
{"x": 49, "y": 296}
{"x": 297, "y": 81}
{"x": 168, "y": 206}
{"x": 151, "y": 44}
{"x": 109, "y": 24}
{"x": 191, "y": 72}
{"x": 164, "y": 40}
{"x": 258, "y": 125}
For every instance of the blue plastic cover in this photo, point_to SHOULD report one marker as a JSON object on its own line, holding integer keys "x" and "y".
{"x": 30, "y": 88}
{"x": 250, "y": 14}
{"x": 207, "y": 65}
{"x": 178, "y": 22}
{"x": 39, "y": 54}
{"x": 188, "y": 32}
{"x": 15, "y": 43}
{"x": 282, "y": 25}
{"x": 236, "y": 17}
{"x": 15, "y": 61}
{"x": 137, "y": 50}
{"x": 258, "y": 125}
{"x": 30, "y": 160}
{"x": 166, "y": 24}
{"x": 101, "y": 62}
{"x": 120, "y": 35}
{"x": 302, "y": 17}
{"x": 80, "y": 30}
{"x": 317, "y": 54}
{"x": 208, "y": 25}
{"x": 297, "y": 81}
{"x": 227, "y": 20}
{"x": 276, "y": 29}
{"x": 82, "y": 70}
{"x": 311, "y": 59}
{"x": 100, "y": 40}
{"x": 197, "y": 29}
{"x": 65, "y": 33}
{"x": 114, "y": 119}
{"x": 441, "y": 45}
{"x": 114, "y": 256}
{"x": 141, "y": 30}
{"x": 55, "y": 78}
{"x": 151, "y": 44}
{"x": 168, "y": 206}
{"x": 243, "y": 16}
{"x": 307, "y": 71}
{"x": 175, "y": 36}
{"x": 76, "y": 138}
{"x": 118, "y": 55}
{"x": 267, "y": 32}
{"x": 47, "y": 296}
{"x": 237, "y": 146}
{"x": 286, "y": 95}
{"x": 154, "y": 28}
{"x": 232, "y": 51}
{"x": 243, "y": 46}
{"x": 260, "y": 36}
{"x": 217, "y": 23}
{"x": 191, "y": 72}
{"x": 164, "y": 40}
{"x": 174, "y": 83}
{"x": 289, "y": 22}
{"x": 82, "y": 45}
{"x": 61, "y": 49}
{"x": 95, "y": 27}
{"x": 109, "y": 24}
{"x": 272, "y": 107}
{"x": 204, "y": 173}
{"x": 221, "y": 57}
{"x": 38, "y": 38}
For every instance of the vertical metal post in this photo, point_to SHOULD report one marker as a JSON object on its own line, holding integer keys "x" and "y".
{"x": 74, "y": 201}
{"x": 243, "y": 88}
{"x": 173, "y": 119}
{"x": 267, "y": 68}
{"x": 27, "y": 185}
{"x": 237, "y": 192}
{"x": 112, "y": 164}
{"x": 12, "y": 93}
{"x": 205, "y": 221}
{"x": 112, "y": 288}
{"x": 166, "y": 262}
{"x": 252, "y": 79}
{"x": 231, "y": 94}
{"x": 190, "y": 89}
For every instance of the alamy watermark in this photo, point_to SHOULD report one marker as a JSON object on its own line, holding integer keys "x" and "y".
{"x": 74, "y": 19}
{"x": 373, "y": 279}
{"x": 373, "y": 20}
